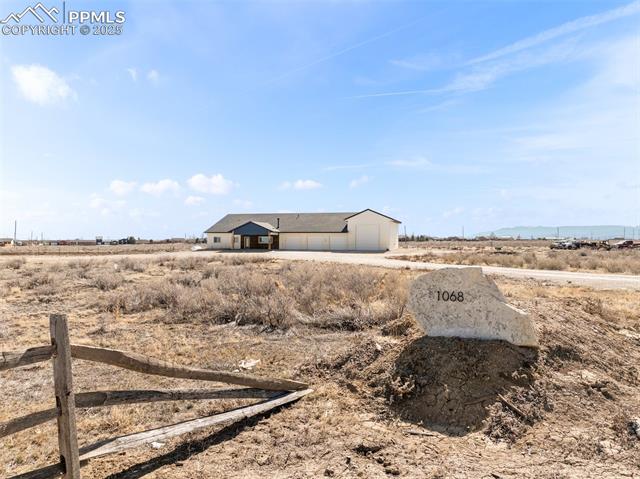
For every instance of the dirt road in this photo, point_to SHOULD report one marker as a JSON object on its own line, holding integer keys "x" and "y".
{"x": 593, "y": 280}
{"x": 386, "y": 260}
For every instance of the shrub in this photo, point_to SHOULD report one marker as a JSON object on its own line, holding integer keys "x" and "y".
{"x": 15, "y": 263}
{"x": 38, "y": 279}
{"x": 106, "y": 280}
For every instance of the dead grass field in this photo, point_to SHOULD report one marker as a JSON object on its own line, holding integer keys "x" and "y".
{"x": 387, "y": 401}
{"x": 83, "y": 250}
{"x": 533, "y": 254}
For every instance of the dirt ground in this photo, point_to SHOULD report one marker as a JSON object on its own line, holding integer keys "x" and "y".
{"x": 387, "y": 401}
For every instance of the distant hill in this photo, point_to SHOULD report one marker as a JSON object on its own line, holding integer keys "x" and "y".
{"x": 595, "y": 232}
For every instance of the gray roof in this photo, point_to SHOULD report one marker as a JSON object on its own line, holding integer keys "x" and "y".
{"x": 266, "y": 225}
{"x": 289, "y": 222}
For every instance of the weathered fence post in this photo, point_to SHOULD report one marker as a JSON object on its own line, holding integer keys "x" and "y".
{"x": 65, "y": 400}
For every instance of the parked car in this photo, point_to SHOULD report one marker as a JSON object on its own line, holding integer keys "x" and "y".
{"x": 623, "y": 244}
{"x": 566, "y": 244}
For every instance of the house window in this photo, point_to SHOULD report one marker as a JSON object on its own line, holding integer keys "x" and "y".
{"x": 263, "y": 239}
{"x": 216, "y": 239}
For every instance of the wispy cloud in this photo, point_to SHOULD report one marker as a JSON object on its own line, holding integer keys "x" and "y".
{"x": 214, "y": 184}
{"x": 424, "y": 62}
{"x": 300, "y": 185}
{"x": 482, "y": 76}
{"x": 153, "y": 76}
{"x": 413, "y": 163}
{"x": 246, "y": 204}
{"x": 160, "y": 187}
{"x": 133, "y": 73}
{"x": 347, "y": 49}
{"x": 484, "y": 71}
{"x": 193, "y": 200}
{"x": 561, "y": 30}
{"x": 453, "y": 212}
{"x": 40, "y": 85}
{"x": 348, "y": 167}
{"x": 122, "y": 188}
{"x": 357, "y": 182}
{"x": 424, "y": 164}
{"x": 105, "y": 207}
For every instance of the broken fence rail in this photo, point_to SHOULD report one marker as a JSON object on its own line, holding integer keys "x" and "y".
{"x": 275, "y": 392}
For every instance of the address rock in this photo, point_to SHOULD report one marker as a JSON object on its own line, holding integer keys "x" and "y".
{"x": 464, "y": 303}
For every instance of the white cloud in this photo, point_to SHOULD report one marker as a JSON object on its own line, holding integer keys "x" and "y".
{"x": 300, "y": 185}
{"x": 153, "y": 76}
{"x": 160, "y": 187}
{"x": 359, "y": 181}
{"x": 41, "y": 85}
{"x": 122, "y": 188}
{"x": 133, "y": 73}
{"x": 215, "y": 184}
{"x": 193, "y": 200}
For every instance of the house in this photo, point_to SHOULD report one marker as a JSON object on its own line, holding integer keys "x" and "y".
{"x": 366, "y": 230}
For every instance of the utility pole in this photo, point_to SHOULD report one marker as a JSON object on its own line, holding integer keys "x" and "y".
{"x": 15, "y": 231}
{"x": 463, "y": 232}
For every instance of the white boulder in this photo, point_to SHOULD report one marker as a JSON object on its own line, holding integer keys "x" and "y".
{"x": 463, "y": 302}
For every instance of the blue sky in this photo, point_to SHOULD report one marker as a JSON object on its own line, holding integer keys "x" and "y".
{"x": 443, "y": 115}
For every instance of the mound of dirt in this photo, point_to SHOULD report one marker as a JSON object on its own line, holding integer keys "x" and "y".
{"x": 451, "y": 385}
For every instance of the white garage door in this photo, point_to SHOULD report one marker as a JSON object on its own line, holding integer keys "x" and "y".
{"x": 318, "y": 242}
{"x": 367, "y": 237}
{"x": 295, "y": 242}
{"x": 339, "y": 242}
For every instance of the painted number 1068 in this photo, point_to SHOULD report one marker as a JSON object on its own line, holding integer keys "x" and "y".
{"x": 451, "y": 296}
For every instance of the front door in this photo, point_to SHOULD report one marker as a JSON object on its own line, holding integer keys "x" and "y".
{"x": 247, "y": 242}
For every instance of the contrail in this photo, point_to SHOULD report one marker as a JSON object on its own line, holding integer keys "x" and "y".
{"x": 564, "y": 29}
{"x": 348, "y": 49}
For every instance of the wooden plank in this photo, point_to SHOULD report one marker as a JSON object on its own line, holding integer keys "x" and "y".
{"x": 113, "y": 398}
{"x": 144, "y": 364}
{"x": 14, "y": 359}
{"x": 122, "y": 443}
{"x": 65, "y": 401}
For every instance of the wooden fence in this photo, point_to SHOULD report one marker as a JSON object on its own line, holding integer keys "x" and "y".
{"x": 274, "y": 392}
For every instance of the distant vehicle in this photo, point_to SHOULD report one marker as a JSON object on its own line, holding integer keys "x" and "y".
{"x": 623, "y": 244}
{"x": 566, "y": 244}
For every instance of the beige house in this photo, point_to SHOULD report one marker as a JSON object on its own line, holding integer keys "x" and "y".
{"x": 366, "y": 230}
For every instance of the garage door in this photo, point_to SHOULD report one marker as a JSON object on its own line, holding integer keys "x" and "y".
{"x": 318, "y": 242}
{"x": 295, "y": 242}
{"x": 339, "y": 243}
{"x": 367, "y": 237}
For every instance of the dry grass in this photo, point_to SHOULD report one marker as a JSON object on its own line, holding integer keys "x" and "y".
{"x": 94, "y": 250}
{"x": 273, "y": 294}
{"x": 614, "y": 261}
{"x": 294, "y": 318}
